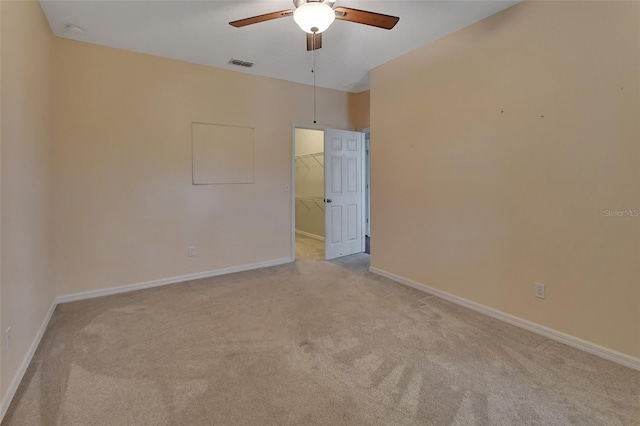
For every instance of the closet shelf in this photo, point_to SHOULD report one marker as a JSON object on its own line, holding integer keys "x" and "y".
{"x": 314, "y": 156}
{"x": 318, "y": 201}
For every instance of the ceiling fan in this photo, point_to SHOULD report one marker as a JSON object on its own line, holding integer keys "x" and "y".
{"x": 315, "y": 16}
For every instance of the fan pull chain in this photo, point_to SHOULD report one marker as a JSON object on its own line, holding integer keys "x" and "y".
{"x": 313, "y": 71}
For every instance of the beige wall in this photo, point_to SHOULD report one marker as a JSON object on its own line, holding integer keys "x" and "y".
{"x": 309, "y": 141}
{"x": 125, "y": 208}
{"x": 359, "y": 109}
{"x": 309, "y": 181}
{"x": 26, "y": 276}
{"x": 498, "y": 150}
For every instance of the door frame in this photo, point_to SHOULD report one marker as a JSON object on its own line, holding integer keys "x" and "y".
{"x": 367, "y": 179}
{"x": 292, "y": 186}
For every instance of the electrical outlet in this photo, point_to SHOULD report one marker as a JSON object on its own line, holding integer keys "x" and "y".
{"x": 541, "y": 291}
{"x": 191, "y": 251}
{"x": 7, "y": 338}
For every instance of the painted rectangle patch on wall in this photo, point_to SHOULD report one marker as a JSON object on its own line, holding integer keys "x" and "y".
{"x": 222, "y": 154}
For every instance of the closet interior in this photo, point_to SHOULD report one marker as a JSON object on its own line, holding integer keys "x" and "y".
{"x": 309, "y": 172}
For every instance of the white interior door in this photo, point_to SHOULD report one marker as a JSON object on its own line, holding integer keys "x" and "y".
{"x": 344, "y": 195}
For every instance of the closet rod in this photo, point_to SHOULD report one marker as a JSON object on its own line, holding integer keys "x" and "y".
{"x": 302, "y": 157}
{"x": 318, "y": 201}
{"x": 309, "y": 155}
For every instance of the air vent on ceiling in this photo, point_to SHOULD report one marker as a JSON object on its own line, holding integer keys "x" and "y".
{"x": 241, "y": 63}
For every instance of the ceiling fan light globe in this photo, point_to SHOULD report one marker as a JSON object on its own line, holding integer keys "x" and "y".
{"x": 314, "y": 16}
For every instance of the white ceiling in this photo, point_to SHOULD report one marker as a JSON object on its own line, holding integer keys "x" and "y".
{"x": 198, "y": 32}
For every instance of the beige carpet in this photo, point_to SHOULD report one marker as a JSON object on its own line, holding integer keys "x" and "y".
{"x": 308, "y": 343}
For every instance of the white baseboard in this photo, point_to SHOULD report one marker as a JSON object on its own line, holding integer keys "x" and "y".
{"x": 310, "y": 235}
{"x": 17, "y": 378}
{"x": 173, "y": 280}
{"x": 575, "y": 342}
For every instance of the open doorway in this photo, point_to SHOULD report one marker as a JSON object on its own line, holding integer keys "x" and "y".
{"x": 309, "y": 194}
{"x": 329, "y": 184}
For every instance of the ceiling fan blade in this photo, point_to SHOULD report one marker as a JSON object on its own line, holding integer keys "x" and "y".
{"x": 260, "y": 18}
{"x": 314, "y": 44}
{"x": 368, "y": 18}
